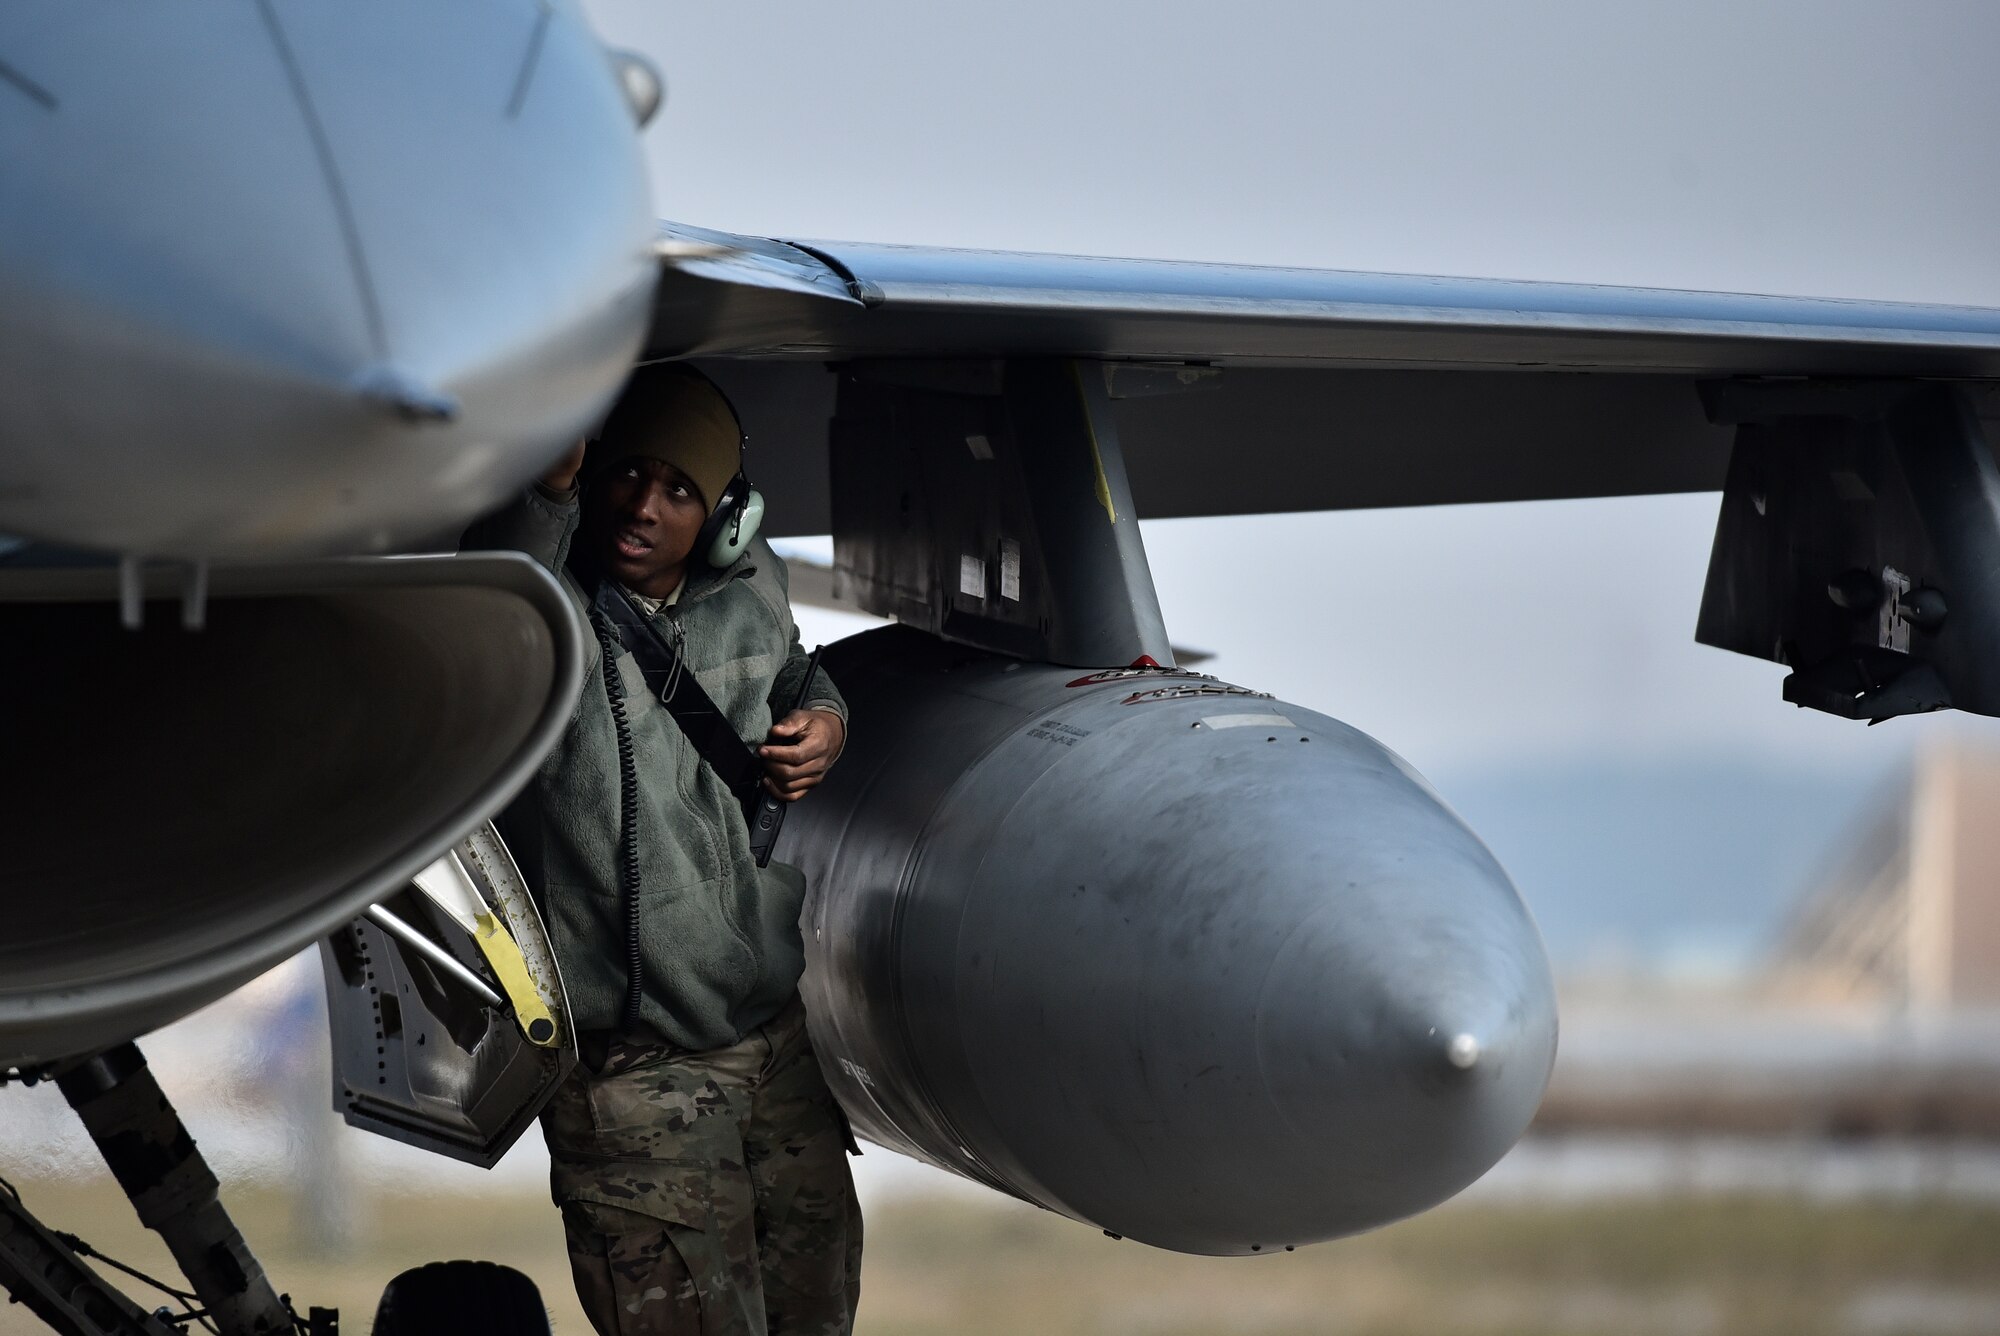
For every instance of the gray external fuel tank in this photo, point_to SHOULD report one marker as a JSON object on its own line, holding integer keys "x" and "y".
{"x": 1169, "y": 957}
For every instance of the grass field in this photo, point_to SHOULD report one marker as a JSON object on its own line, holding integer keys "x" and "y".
{"x": 1719, "y": 1266}
{"x": 1711, "y": 1267}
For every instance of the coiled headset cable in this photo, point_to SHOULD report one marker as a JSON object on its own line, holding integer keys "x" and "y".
{"x": 609, "y": 649}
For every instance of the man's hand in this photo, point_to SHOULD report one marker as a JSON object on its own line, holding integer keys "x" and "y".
{"x": 802, "y": 748}
{"x": 562, "y": 474}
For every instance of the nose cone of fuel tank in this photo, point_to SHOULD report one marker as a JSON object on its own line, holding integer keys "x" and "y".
{"x": 1207, "y": 970}
{"x": 1298, "y": 997}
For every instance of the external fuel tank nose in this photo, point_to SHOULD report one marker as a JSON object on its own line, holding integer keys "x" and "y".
{"x": 1405, "y": 1032}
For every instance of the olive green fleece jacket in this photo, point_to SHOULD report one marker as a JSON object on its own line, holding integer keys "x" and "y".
{"x": 719, "y": 936}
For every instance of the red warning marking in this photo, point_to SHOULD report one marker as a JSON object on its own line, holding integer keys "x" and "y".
{"x": 1144, "y": 668}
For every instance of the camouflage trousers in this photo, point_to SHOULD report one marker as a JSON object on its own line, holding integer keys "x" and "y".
{"x": 708, "y": 1193}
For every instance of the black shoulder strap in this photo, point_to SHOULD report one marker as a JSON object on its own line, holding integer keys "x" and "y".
{"x": 705, "y": 725}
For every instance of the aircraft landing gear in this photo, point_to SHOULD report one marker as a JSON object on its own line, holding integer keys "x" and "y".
{"x": 43, "y": 1273}
{"x": 155, "y": 1161}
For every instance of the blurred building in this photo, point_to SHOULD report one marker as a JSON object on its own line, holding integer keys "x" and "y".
{"x": 1876, "y": 1014}
{"x": 1907, "y": 915}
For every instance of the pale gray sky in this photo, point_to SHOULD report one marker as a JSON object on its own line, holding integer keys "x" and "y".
{"x": 1830, "y": 148}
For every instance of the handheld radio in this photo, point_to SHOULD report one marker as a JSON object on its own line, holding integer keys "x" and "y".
{"x": 769, "y": 817}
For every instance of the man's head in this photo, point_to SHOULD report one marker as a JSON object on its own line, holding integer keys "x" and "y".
{"x": 656, "y": 471}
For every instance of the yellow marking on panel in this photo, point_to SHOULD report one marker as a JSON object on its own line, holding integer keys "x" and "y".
{"x": 497, "y": 945}
{"x": 1096, "y": 458}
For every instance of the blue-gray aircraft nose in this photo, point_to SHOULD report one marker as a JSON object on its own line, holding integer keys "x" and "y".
{"x": 280, "y": 277}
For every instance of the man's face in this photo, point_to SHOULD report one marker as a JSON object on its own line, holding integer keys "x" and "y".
{"x": 644, "y": 516}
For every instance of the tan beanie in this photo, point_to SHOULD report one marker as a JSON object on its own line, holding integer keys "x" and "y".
{"x": 671, "y": 412}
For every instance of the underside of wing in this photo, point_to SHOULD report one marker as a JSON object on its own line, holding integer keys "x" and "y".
{"x": 1330, "y": 389}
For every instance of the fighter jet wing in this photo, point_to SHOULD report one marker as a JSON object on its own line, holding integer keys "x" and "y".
{"x": 849, "y": 300}
{"x": 1338, "y": 389}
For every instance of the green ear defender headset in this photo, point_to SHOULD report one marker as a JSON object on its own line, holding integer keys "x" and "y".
{"x": 732, "y": 524}
{"x": 738, "y": 513}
